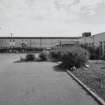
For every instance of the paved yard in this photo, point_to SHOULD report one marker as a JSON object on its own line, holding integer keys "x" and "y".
{"x": 38, "y": 84}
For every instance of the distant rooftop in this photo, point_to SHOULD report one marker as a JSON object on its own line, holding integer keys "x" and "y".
{"x": 98, "y": 33}
{"x": 40, "y": 37}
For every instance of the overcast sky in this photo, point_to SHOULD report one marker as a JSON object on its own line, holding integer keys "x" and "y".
{"x": 48, "y": 17}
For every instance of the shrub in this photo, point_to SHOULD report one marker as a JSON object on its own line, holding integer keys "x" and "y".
{"x": 70, "y": 57}
{"x": 76, "y": 57}
{"x": 43, "y": 56}
{"x": 103, "y": 57}
{"x": 94, "y": 51}
{"x": 68, "y": 60}
{"x": 55, "y": 56}
{"x": 30, "y": 57}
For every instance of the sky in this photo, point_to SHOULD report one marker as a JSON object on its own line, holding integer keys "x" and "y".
{"x": 51, "y": 17}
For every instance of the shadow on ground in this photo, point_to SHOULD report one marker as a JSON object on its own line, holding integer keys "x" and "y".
{"x": 59, "y": 68}
{"x": 25, "y": 61}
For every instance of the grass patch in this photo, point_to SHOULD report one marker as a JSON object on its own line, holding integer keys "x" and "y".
{"x": 93, "y": 77}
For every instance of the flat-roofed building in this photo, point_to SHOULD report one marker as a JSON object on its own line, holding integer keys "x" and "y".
{"x": 66, "y": 44}
{"x": 33, "y": 42}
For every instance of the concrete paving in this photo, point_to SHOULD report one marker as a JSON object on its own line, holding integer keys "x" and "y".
{"x": 38, "y": 83}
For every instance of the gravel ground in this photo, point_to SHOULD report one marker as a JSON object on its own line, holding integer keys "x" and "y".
{"x": 93, "y": 77}
{"x": 38, "y": 83}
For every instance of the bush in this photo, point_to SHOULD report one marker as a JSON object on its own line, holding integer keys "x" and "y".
{"x": 68, "y": 60}
{"x": 55, "y": 56}
{"x": 94, "y": 51}
{"x": 76, "y": 57}
{"x": 43, "y": 56}
{"x": 103, "y": 57}
{"x": 30, "y": 57}
{"x": 73, "y": 56}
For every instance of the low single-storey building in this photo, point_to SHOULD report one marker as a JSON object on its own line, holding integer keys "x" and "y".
{"x": 33, "y": 42}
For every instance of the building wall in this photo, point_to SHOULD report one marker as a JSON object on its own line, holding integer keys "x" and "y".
{"x": 6, "y": 42}
{"x": 97, "y": 40}
{"x": 66, "y": 44}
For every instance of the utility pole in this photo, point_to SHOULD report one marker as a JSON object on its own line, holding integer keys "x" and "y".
{"x": 93, "y": 41}
{"x": 40, "y": 42}
{"x": 10, "y": 45}
{"x": 11, "y": 35}
{"x": 30, "y": 43}
{"x": 60, "y": 44}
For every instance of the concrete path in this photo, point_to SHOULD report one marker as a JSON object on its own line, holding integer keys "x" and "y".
{"x": 38, "y": 84}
